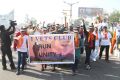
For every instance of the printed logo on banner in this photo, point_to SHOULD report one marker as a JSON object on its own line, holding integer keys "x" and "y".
{"x": 51, "y": 49}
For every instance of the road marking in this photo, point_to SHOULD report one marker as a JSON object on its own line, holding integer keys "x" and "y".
{"x": 83, "y": 75}
{"x": 61, "y": 76}
{"x": 109, "y": 75}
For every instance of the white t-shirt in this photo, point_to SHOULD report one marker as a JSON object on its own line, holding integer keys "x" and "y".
{"x": 105, "y": 41}
{"x": 99, "y": 37}
{"x": 23, "y": 48}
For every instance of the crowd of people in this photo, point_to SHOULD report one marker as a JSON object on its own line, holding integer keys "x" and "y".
{"x": 92, "y": 41}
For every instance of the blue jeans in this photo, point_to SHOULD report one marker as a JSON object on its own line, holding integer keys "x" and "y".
{"x": 21, "y": 59}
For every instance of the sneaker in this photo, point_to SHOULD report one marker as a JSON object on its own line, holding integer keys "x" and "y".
{"x": 88, "y": 67}
{"x": 94, "y": 60}
{"x": 18, "y": 73}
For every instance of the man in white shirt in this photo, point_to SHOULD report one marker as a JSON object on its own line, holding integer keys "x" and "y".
{"x": 22, "y": 49}
{"x": 105, "y": 43}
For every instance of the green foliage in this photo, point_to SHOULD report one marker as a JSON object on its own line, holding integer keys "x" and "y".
{"x": 114, "y": 16}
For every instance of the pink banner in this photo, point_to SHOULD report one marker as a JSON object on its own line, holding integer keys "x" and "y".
{"x": 51, "y": 49}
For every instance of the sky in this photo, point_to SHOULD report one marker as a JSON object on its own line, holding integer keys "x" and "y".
{"x": 51, "y": 10}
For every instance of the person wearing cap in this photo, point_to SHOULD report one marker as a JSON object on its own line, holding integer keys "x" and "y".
{"x": 77, "y": 52}
{"x": 95, "y": 53}
{"x": 89, "y": 44}
{"x": 105, "y": 43}
{"x": 6, "y": 45}
{"x": 22, "y": 49}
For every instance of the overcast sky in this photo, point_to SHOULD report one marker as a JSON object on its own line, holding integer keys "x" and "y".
{"x": 51, "y": 10}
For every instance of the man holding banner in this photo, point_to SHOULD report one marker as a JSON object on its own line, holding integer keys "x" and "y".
{"x": 53, "y": 49}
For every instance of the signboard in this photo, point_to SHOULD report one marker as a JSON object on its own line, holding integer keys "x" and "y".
{"x": 51, "y": 49}
{"x": 89, "y": 12}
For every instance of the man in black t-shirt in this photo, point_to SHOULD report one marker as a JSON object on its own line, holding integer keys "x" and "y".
{"x": 6, "y": 45}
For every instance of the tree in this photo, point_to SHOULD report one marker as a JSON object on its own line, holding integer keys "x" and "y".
{"x": 114, "y": 16}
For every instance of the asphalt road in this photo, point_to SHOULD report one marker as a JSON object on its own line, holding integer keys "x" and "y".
{"x": 101, "y": 70}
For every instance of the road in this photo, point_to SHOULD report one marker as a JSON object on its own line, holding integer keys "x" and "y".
{"x": 100, "y": 71}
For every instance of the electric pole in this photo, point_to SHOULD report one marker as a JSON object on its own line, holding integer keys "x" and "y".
{"x": 71, "y": 5}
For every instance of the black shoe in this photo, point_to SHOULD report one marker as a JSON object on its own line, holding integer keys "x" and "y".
{"x": 4, "y": 68}
{"x": 18, "y": 73}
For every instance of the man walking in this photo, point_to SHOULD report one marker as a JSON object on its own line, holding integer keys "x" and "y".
{"x": 105, "y": 43}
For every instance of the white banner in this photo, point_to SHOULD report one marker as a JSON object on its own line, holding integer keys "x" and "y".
{"x": 51, "y": 49}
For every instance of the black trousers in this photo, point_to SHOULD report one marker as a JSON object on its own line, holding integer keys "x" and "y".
{"x": 81, "y": 50}
{"x": 75, "y": 65}
{"x": 88, "y": 53}
{"x": 106, "y": 51}
{"x": 6, "y": 50}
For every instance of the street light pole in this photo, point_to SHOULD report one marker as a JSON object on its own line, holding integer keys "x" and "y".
{"x": 71, "y": 5}
{"x": 65, "y": 19}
